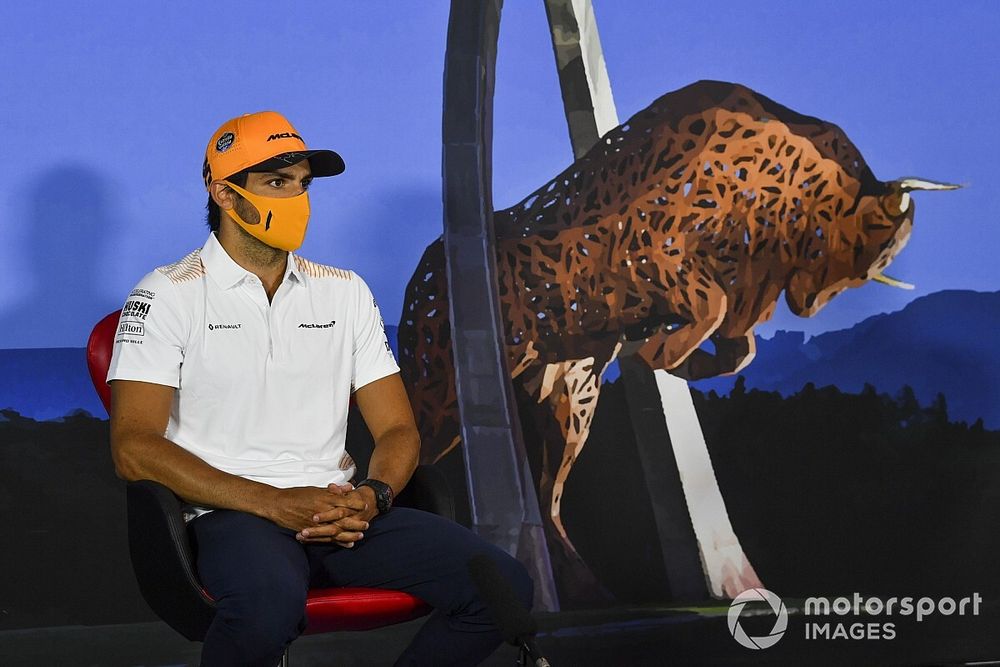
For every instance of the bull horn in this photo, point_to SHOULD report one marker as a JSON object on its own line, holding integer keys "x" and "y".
{"x": 909, "y": 184}
{"x": 892, "y": 282}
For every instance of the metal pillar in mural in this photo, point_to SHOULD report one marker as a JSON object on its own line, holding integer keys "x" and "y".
{"x": 502, "y": 497}
{"x": 688, "y": 507}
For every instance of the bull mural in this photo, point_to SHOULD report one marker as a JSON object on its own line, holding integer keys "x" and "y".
{"x": 682, "y": 226}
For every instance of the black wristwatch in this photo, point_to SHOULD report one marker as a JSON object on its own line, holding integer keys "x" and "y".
{"x": 383, "y": 493}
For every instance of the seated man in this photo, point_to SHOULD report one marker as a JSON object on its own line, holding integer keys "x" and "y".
{"x": 231, "y": 378}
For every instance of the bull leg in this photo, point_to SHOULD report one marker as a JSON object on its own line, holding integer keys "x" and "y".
{"x": 670, "y": 350}
{"x": 574, "y": 411}
{"x": 571, "y": 389}
{"x": 731, "y": 356}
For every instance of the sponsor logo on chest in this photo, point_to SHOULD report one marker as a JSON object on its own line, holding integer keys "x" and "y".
{"x": 131, "y": 328}
{"x": 219, "y": 327}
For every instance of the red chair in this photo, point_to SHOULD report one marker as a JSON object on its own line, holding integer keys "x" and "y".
{"x": 162, "y": 560}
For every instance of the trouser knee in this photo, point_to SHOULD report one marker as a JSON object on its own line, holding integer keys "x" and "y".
{"x": 516, "y": 575}
{"x": 522, "y": 582}
{"x": 258, "y": 624}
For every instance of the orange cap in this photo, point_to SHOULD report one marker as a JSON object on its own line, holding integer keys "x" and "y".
{"x": 253, "y": 139}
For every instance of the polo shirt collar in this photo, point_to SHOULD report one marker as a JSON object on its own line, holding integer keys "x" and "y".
{"x": 227, "y": 273}
{"x": 292, "y": 269}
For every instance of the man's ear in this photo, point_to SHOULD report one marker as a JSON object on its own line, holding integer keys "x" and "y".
{"x": 222, "y": 195}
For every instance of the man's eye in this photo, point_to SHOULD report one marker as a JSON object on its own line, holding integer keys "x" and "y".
{"x": 306, "y": 184}
{"x": 276, "y": 182}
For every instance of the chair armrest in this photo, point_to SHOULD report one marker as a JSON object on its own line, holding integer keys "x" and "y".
{"x": 428, "y": 490}
{"x": 162, "y": 559}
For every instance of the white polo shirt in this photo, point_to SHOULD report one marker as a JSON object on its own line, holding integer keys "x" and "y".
{"x": 262, "y": 388}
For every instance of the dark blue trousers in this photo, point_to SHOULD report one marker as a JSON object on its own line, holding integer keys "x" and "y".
{"x": 259, "y": 574}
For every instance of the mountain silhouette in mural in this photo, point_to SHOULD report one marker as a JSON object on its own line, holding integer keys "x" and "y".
{"x": 938, "y": 343}
{"x": 47, "y": 382}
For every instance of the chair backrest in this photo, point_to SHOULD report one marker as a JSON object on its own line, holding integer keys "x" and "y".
{"x": 158, "y": 544}
{"x": 99, "y": 347}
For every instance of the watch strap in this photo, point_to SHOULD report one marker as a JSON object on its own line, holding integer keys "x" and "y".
{"x": 383, "y": 493}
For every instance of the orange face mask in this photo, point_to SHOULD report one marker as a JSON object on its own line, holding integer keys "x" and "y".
{"x": 282, "y": 220}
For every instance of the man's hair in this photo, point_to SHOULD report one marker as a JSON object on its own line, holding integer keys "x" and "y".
{"x": 214, "y": 212}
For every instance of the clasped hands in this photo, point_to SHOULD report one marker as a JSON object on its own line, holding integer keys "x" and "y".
{"x": 336, "y": 514}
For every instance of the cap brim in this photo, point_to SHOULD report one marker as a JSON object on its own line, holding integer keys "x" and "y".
{"x": 321, "y": 162}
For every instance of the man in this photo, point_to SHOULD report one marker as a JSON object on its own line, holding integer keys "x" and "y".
{"x": 231, "y": 378}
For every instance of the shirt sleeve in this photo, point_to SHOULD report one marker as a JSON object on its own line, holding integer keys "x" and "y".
{"x": 373, "y": 358}
{"x": 151, "y": 335}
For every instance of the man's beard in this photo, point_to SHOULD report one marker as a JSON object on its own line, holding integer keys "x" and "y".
{"x": 253, "y": 248}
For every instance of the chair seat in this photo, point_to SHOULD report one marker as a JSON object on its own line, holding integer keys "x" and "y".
{"x": 333, "y": 609}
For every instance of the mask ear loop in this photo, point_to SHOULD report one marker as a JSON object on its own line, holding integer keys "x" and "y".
{"x": 233, "y": 214}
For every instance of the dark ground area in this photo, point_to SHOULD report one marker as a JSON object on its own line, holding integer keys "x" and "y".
{"x": 826, "y": 491}
{"x": 637, "y": 637}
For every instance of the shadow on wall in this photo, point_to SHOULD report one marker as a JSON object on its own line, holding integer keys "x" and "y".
{"x": 381, "y": 234}
{"x": 69, "y": 222}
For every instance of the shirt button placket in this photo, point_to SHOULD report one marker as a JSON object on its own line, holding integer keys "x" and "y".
{"x": 260, "y": 298}
{"x": 270, "y": 331}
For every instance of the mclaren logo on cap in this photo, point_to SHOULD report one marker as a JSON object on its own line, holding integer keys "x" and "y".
{"x": 285, "y": 135}
{"x": 224, "y": 142}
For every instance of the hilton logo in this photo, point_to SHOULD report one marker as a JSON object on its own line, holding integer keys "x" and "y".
{"x": 132, "y": 328}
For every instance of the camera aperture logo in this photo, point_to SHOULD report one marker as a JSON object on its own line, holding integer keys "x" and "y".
{"x": 757, "y": 595}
